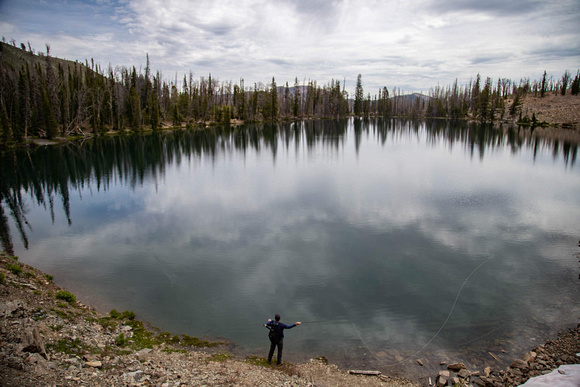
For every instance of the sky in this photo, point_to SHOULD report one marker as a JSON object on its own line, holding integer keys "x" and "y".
{"x": 412, "y": 45}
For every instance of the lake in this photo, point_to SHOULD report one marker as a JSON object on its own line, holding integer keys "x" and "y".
{"x": 392, "y": 240}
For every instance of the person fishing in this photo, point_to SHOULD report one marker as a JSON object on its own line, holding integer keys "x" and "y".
{"x": 276, "y": 336}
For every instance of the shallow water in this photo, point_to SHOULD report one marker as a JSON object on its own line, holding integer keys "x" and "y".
{"x": 391, "y": 240}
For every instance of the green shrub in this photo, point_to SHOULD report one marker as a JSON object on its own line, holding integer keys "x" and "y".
{"x": 66, "y": 296}
{"x": 2, "y": 278}
{"x": 128, "y": 315}
{"x": 120, "y": 340}
{"x": 114, "y": 314}
{"x": 14, "y": 268}
{"x": 49, "y": 277}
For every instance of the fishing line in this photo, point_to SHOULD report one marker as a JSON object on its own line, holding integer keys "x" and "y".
{"x": 440, "y": 329}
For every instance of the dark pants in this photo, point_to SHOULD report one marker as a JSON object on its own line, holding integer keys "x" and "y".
{"x": 273, "y": 344}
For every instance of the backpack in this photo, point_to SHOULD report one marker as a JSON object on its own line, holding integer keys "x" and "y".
{"x": 273, "y": 334}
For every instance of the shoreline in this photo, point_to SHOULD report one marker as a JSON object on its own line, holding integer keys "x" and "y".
{"x": 50, "y": 338}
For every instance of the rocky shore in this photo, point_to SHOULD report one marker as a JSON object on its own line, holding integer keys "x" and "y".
{"x": 48, "y": 338}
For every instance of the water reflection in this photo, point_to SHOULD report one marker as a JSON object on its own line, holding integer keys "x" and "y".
{"x": 367, "y": 227}
{"x": 49, "y": 173}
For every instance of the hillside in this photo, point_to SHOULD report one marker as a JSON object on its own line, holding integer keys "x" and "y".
{"x": 16, "y": 58}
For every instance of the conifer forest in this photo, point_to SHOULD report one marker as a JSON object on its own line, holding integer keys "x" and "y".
{"x": 47, "y": 97}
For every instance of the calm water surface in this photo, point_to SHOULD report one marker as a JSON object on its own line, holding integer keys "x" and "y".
{"x": 389, "y": 239}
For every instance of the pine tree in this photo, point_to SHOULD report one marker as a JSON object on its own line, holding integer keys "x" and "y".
{"x": 575, "y": 86}
{"x": 274, "y": 101}
{"x": 153, "y": 107}
{"x": 358, "y": 97}
{"x": 296, "y": 107}
{"x": 565, "y": 81}
{"x": 50, "y": 123}
{"x": 543, "y": 87}
{"x": 5, "y": 126}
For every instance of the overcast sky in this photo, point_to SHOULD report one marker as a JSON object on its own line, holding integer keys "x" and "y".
{"x": 413, "y": 45}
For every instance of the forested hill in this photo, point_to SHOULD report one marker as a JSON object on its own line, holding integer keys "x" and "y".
{"x": 43, "y": 96}
{"x": 15, "y": 57}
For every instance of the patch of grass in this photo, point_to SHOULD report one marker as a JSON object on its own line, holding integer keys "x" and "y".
{"x": 322, "y": 359}
{"x": 259, "y": 361}
{"x": 220, "y": 357}
{"x": 196, "y": 342}
{"x": 29, "y": 274}
{"x": 126, "y": 315}
{"x": 61, "y": 305}
{"x": 69, "y": 346}
{"x": 167, "y": 338}
{"x": 287, "y": 368}
{"x": 66, "y": 296}
{"x": 121, "y": 340}
{"x": 129, "y": 315}
{"x": 55, "y": 328}
{"x": 48, "y": 277}
{"x": 142, "y": 338}
{"x": 14, "y": 268}
{"x": 60, "y": 313}
{"x": 2, "y": 278}
{"x": 105, "y": 322}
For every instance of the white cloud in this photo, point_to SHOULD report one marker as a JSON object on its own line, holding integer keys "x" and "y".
{"x": 411, "y": 45}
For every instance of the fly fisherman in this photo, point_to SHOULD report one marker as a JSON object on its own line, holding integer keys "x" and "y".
{"x": 277, "y": 336}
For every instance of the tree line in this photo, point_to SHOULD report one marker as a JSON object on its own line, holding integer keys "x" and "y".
{"x": 47, "y": 97}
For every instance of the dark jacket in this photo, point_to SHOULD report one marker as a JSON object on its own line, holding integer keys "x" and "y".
{"x": 279, "y": 327}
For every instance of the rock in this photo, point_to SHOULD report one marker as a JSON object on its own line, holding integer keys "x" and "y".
{"x": 530, "y": 357}
{"x": 136, "y": 375}
{"x": 94, "y": 364}
{"x": 420, "y": 362}
{"x": 9, "y": 308}
{"x": 91, "y": 357}
{"x": 455, "y": 381}
{"x": 519, "y": 363}
{"x": 456, "y": 367}
{"x": 479, "y": 382}
{"x": 442, "y": 378}
{"x": 142, "y": 354}
{"x": 34, "y": 342}
{"x": 487, "y": 371}
{"x": 463, "y": 373}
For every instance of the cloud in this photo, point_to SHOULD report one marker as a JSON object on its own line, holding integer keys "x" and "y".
{"x": 414, "y": 45}
{"x": 497, "y": 8}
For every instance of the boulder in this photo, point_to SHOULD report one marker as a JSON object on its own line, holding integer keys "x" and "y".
{"x": 530, "y": 357}
{"x": 442, "y": 378}
{"x": 520, "y": 364}
{"x": 94, "y": 364}
{"x": 463, "y": 373}
{"x": 456, "y": 367}
{"x": 33, "y": 343}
